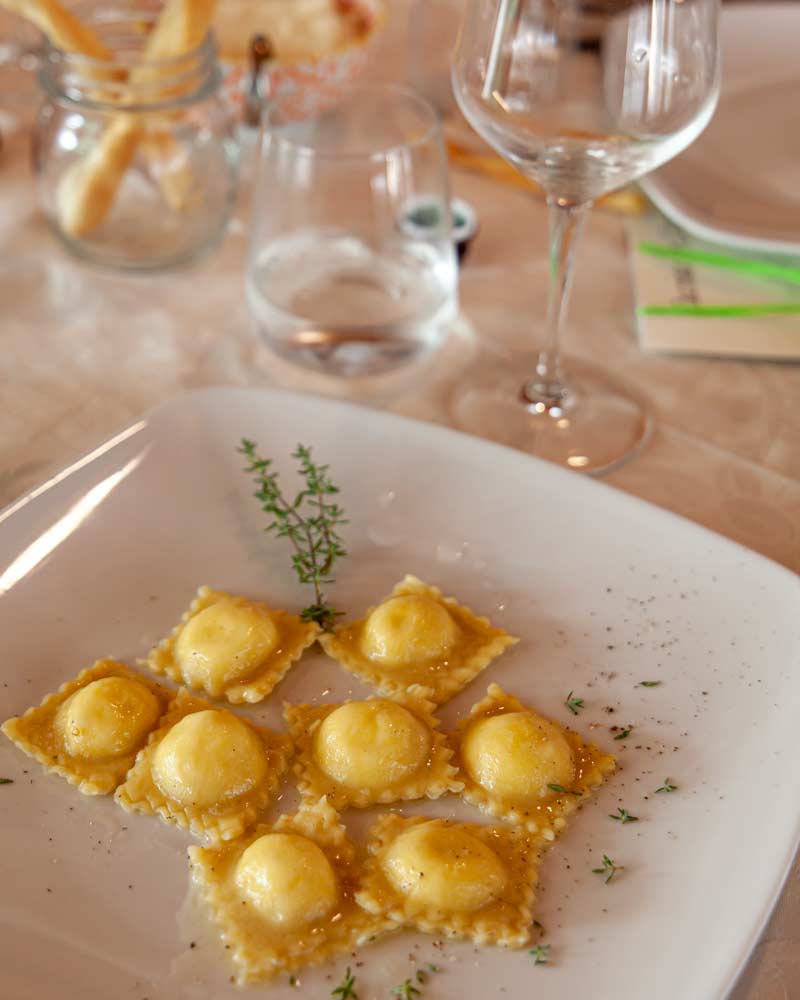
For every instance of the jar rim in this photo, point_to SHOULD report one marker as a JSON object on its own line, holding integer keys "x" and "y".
{"x": 128, "y": 81}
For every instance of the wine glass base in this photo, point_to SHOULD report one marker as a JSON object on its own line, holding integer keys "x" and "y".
{"x": 601, "y": 423}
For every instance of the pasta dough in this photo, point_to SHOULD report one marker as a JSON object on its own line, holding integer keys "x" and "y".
{"x": 417, "y": 636}
{"x": 444, "y": 867}
{"x": 208, "y": 758}
{"x": 452, "y": 878}
{"x": 288, "y": 879}
{"x": 206, "y": 770}
{"x": 517, "y": 756}
{"x": 371, "y": 744}
{"x": 524, "y": 768}
{"x": 108, "y": 717}
{"x": 90, "y": 730}
{"x": 232, "y": 648}
{"x": 380, "y": 750}
{"x": 224, "y": 643}
{"x": 409, "y": 629}
{"x": 283, "y": 896}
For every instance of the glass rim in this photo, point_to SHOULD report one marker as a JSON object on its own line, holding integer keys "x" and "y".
{"x": 205, "y": 51}
{"x": 131, "y": 82}
{"x": 432, "y": 130}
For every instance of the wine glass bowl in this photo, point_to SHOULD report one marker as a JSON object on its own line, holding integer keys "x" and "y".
{"x": 583, "y": 97}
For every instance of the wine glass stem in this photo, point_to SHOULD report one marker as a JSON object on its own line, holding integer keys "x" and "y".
{"x": 548, "y": 386}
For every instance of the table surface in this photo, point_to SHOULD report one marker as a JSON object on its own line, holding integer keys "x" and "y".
{"x": 85, "y": 351}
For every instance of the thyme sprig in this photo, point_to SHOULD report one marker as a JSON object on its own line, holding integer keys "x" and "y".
{"x": 541, "y": 954}
{"x": 666, "y": 787}
{"x": 347, "y": 989}
{"x": 609, "y": 869}
{"x": 564, "y": 791}
{"x": 310, "y": 521}
{"x": 573, "y": 704}
{"x": 623, "y": 816}
{"x": 406, "y": 990}
{"x": 6, "y": 781}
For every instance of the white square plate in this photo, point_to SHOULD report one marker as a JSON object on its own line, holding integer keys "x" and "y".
{"x": 605, "y": 592}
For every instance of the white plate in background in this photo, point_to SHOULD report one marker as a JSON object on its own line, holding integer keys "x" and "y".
{"x": 739, "y": 182}
{"x": 604, "y": 590}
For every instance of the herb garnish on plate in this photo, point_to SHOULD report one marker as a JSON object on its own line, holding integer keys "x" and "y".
{"x": 347, "y": 989}
{"x": 541, "y": 954}
{"x": 666, "y": 787}
{"x": 623, "y": 816}
{"x": 310, "y": 521}
{"x": 573, "y": 704}
{"x": 609, "y": 869}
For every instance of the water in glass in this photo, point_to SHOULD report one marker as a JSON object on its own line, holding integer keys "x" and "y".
{"x": 340, "y": 277}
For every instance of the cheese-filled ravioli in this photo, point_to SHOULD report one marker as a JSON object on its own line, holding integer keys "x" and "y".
{"x": 379, "y": 750}
{"x": 288, "y": 879}
{"x": 283, "y": 896}
{"x": 208, "y": 758}
{"x": 525, "y": 768}
{"x": 206, "y": 770}
{"x": 417, "y": 636}
{"x": 444, "y": 867}
{"x": 452, "y": 878}
{"x": 232, "y": 648}
{"x": 409, "y": 629}
{"x": 91, "y": 729}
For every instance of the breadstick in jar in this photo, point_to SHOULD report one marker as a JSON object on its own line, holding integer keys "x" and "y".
{"x": 88, "y": 189}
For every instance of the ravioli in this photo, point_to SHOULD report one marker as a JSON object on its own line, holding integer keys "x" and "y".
{"x": 284, "y": 895}
{"x": 524, "y": 768}
{"x": 232, "y": 648}
{"x": 457, "y": 879}
{"x": 363, "y": 752}
{"x": 91, "y": 729}
{"x": 417, "y": 636}
{"x": 206, "y": 770}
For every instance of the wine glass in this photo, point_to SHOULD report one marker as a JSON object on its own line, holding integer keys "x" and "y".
{"x": 582, "y": 96}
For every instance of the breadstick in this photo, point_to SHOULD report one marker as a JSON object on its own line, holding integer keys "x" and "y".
{"x": 168, "y": 165}
{"x": 63, "y": 29}
{"x": 182, "y": 26}
{"x": 88, "y": 189}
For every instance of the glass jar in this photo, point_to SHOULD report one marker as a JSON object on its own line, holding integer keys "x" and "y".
{"x": 136, "y": 160}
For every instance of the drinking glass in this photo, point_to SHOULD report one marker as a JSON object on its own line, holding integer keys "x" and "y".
{"x": 582, "y": 96}
{"x": 352, "y": 269}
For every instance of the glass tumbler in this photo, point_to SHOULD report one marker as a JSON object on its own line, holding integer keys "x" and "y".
{"x": 135, "y": 157}
{"x": 352, "y": 269}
